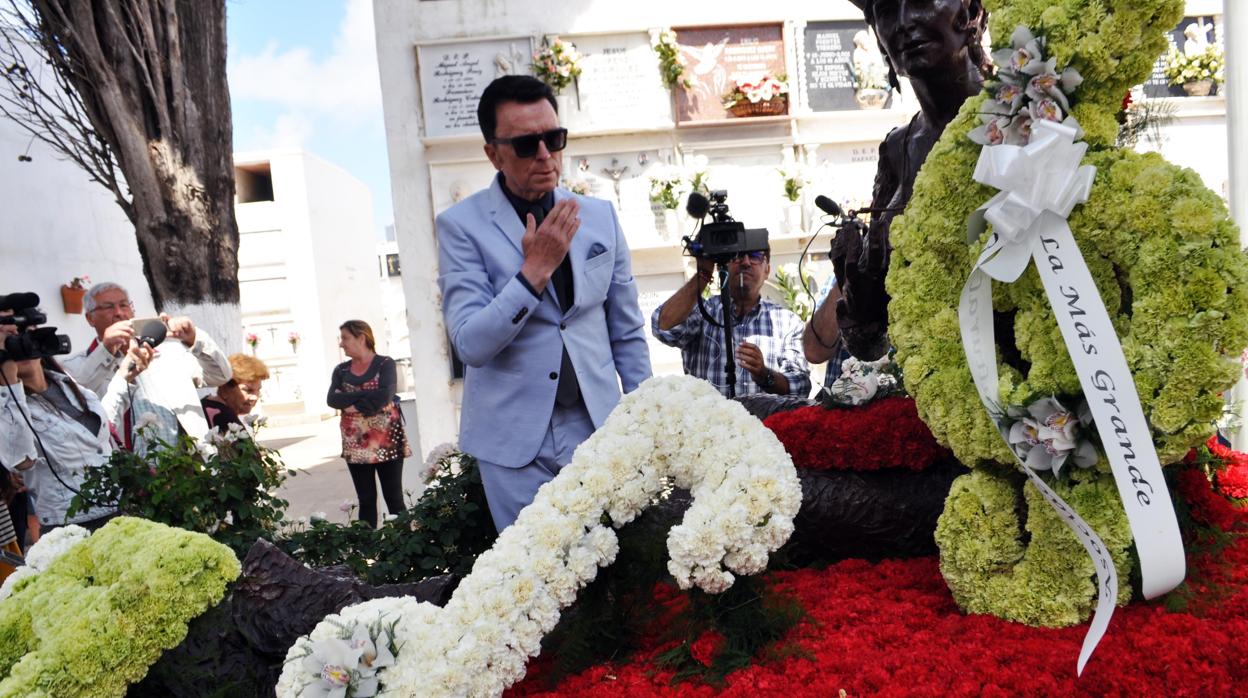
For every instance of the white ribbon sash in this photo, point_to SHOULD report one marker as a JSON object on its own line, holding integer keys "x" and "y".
{"x": 1041, "y": 183}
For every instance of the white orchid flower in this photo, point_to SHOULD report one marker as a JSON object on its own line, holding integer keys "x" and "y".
{"x": 1050, "y": 435}
{"x": 333, "y": 662}
{"x": 992, "y": 131}
{"x": 1045, "y": 110}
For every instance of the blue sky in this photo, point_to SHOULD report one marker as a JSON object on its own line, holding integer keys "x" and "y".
{"x": 303, "y": 73}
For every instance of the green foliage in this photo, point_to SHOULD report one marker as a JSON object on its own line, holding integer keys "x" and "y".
{"x": 1206, "y": 65}
{"x": 671, "y": 60}
{"x": 222, "y": 487}
{"x": 793, "y": 293}
{"x": 612, "y": 612}
{"x": 621, "y": 606}
{"x": 1144, "y": 120}
{"x": 102, "y": 613}
{"x": 736, "y": 626}
{"x": 442, "y": 532}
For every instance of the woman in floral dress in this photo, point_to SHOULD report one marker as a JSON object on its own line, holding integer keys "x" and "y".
{"x": 373, "y": 442}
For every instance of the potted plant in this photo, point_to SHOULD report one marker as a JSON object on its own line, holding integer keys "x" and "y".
{"x": 794, "y": 176}
{"x": 759, "y": 94}
{"x": 73, "y": 292}
{"x": 871, "y": 86}
{"x": 1197, "y": 71}
{"x": 252, "y": 340}
{"x": 293, "y": 338}
{"x": 668, "y": 187}
{"x": 557, "y": 63}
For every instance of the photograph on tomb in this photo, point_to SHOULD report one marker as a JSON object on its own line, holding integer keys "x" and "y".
{"x": 452, "y": 75}
{"x": 742, "y": 63}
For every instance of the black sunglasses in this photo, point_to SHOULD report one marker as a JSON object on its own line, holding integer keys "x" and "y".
{"x": 756, "y": 257}
{"x": 526, "y": 145}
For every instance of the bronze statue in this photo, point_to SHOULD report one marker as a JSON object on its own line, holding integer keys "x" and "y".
{"x": 937, "y": 44}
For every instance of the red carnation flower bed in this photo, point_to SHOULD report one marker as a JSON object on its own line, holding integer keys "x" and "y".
{"x": 1208, "y": 502}
{"x": 858, "y": 438}
{"x": 892, "y": 629}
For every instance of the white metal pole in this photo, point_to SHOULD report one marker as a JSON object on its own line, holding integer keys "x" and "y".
{"x": 1235, "y": 43}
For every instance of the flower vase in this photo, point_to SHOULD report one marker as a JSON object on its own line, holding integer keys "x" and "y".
{"x": 871, "y": 98}
{"x": 793, "y": 217}
{"x": 1198, "y": 88}
{"x": 670, "y": 228}
{"x": 566, "y": 103}
{"x": 71, "y": 298}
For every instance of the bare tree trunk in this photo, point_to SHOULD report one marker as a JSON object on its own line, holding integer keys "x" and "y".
{"x": 149, "y": 78}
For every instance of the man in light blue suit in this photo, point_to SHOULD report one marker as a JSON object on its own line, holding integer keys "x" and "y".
{"x": 539, "y": 299}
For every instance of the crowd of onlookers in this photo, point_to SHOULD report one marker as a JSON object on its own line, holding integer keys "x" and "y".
{"x": 141, "y": 384}
{"x": 130, "y": 388}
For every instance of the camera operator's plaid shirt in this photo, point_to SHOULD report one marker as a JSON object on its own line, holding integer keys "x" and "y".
{"x": 776, "y": 331}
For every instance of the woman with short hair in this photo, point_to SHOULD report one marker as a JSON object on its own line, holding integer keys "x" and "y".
{"x": 238, "y": 396}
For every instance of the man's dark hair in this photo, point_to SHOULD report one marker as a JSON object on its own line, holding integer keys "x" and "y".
{"x": 524, "y": 89}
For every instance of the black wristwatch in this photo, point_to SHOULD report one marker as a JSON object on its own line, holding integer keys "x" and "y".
{"x": 769, "y": 380}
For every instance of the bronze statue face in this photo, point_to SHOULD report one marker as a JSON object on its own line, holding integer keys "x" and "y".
{"x": 923, "y": 37}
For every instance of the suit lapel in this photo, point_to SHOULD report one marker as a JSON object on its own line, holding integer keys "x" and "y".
{"x": 505, "y": 216}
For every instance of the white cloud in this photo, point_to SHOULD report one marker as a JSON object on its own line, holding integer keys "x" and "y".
{"x": 291, "y": 130}
{"x": 344, "y": 85}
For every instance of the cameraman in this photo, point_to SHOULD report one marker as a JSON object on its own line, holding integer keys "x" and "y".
{"x": 52, "y": 429}
{"x": 769, "y": 353}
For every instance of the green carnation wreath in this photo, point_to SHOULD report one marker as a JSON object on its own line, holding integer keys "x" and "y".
{"x": 104, "y": 611}
{"x": 1165, "y": 257}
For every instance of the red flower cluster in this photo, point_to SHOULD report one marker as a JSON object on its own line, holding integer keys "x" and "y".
{"x": 1208, "y": 501}
{"x": 1232, "y": 478}
{"x": 886, "y": 433}
{"x": 892, "y": 629}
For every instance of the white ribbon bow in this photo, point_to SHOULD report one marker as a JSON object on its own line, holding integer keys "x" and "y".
{"x": 1041, "y": 183}
{"x": 1041, "y": 177}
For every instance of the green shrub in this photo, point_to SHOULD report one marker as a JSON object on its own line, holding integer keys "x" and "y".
{"x": 222, "y": 486}
{"x": 444, "y": 531}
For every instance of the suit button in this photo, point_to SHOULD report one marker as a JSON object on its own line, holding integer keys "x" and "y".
{"x": 563, "y": 325}
{"x": 554, "y": 376}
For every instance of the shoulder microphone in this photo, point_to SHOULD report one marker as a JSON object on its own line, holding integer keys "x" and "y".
{"x": 828, "y": 206}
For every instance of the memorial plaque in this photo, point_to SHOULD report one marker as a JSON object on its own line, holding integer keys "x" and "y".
{"x": 716, "y": 56}
{"x": 451, "y": 183}
{"x": 1158, "y": 85}
{"x": 619, "y": 88}
{"x": 827, "y": 81}
{"x": 454, "y": 74}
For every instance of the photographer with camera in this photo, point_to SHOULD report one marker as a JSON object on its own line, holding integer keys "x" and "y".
{"x": 52, "y": 429}
{"x": 167, "y": 391}
{"x": 767, "y": 338}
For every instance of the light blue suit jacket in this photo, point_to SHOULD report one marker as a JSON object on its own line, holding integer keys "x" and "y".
{"x": 511, "y": 341}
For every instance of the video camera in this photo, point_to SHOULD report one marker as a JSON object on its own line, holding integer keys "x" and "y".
{"x": 29, "y": 343}
{"x": 723, "y": 238}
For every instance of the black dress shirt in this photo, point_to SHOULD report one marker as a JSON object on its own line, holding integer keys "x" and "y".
{"x": 568, "y": 392}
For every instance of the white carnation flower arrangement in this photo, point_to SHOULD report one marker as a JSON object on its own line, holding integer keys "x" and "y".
{"x": 43, "y": 553}
{"x": 745, "y": 495}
